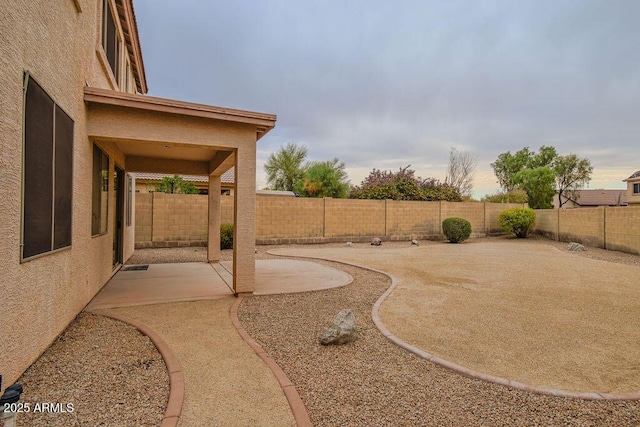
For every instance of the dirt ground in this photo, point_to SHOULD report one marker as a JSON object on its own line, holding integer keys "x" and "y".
{"x": 519, "y": 309}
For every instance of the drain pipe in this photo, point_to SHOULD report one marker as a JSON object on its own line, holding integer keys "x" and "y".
{"x": 8, "y": 404}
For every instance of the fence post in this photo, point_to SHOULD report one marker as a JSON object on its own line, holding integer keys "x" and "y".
{"x": 484, "y": 214}
{"x": 604, "y": 227}
{"x": 385, "y": 217}
{"x": 439, "y": 217}
{"x": 324, "y": 216}
{"x": 153, "y": 197}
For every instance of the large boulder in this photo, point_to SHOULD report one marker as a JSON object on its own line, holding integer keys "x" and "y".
{"x": 342, "y": 330}
{"x": 573, "y": 246}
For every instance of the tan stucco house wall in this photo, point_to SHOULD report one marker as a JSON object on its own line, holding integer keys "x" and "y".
{"x": 633, "y": 189}
{"x": 59, "y": 44}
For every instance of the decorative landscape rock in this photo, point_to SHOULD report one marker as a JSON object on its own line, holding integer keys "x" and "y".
{"x": 573, "y": 246}
{"x": 342, "y": 330}
{"x": 376, "y": 241}
{"x": 349, "y": 244}
{"x": 415, "y": 242}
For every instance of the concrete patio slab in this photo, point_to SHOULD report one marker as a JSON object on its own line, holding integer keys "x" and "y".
{"x": 193, "y": 281}
{"x": 276, "y": 276}
{"x": 161, "y": 283}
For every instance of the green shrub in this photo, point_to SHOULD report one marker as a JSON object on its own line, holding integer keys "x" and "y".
{"x": 456, "y": 229}
{"x": 226, "y": 236}
{"x": 517, "y": 195}
{"x": 518, "y": 221}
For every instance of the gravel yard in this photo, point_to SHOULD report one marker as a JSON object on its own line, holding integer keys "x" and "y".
{"x": 114, "y": 376}
{"x": 512, "y": 309}
{"x": 372, "y": 382}
{"x": 108, "y": 372}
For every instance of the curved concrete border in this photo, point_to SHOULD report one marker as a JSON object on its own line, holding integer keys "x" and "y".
{"x": 176, "y": 376}
{"x": 298, "y": 409}
{"x": 461, "y": 369}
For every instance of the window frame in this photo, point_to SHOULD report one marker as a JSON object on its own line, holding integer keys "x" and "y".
{"x": 636, "y": 188}
{"x": 61, "y": 187}
{"x": 114, "y": 69}
{"x": 129, "y": 201}
{"x": 130, "y": 84}
{"x": 103, "y": 222}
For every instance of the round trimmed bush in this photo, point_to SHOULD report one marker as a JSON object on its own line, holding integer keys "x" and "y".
{"x": 226, "y": 236}
{"x": 456, "y": 229}
{"x": 517, "y": 221}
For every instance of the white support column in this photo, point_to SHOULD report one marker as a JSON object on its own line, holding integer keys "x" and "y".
{"x": 244, "y": 239}
{"x": 213, "y": 245}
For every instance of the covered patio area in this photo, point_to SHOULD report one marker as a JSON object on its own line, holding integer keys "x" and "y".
{"x": 157, "y": 135}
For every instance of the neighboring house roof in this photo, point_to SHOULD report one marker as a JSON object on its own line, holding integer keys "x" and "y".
{"x": 635, "y": 176}
{"x": 599, "y": 197}
{"x": 225, "y": 178}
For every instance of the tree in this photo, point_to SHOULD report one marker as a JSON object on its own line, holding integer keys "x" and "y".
{"x": 175, "y": 184}
{"x": 460, "y": 172}
{"x": 381, "y": 185}
{"x": 403, "y": 185}
{"x": 324, "y": 179}
{"x": 546, "y": 156}
{"x": 286, "y": 167}
{"x": 433, "y": 190}
{"x": 538, "y": 183}
{"x": 507, "y": 165}
{"x": 517, "y": 195}
{"x": 572, "y": 173}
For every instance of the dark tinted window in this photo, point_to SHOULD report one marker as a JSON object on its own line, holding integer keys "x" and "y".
{"x": 110, "y": 41}
{"x": 63, "y": 179}
{"x": 48, "y": 172}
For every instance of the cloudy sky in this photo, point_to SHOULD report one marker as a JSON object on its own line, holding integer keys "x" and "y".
{"x": 383, "y": 84}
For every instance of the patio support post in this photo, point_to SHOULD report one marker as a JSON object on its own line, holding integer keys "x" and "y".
{"x": 244, "y": 236}
{"x": 213, "y": 245}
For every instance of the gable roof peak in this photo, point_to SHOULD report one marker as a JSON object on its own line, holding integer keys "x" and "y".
{"x": 636, "y": 174}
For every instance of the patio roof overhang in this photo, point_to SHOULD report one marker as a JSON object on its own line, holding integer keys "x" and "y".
{"x": 169, "y": 136}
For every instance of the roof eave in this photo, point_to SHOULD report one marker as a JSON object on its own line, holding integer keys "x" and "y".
{"x": 262, "y": 121}
{"x": 130, "y": 27}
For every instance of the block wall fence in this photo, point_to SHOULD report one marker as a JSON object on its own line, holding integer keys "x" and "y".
{"x": 614, "y": 228}
{"x": 170, "y": 220}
